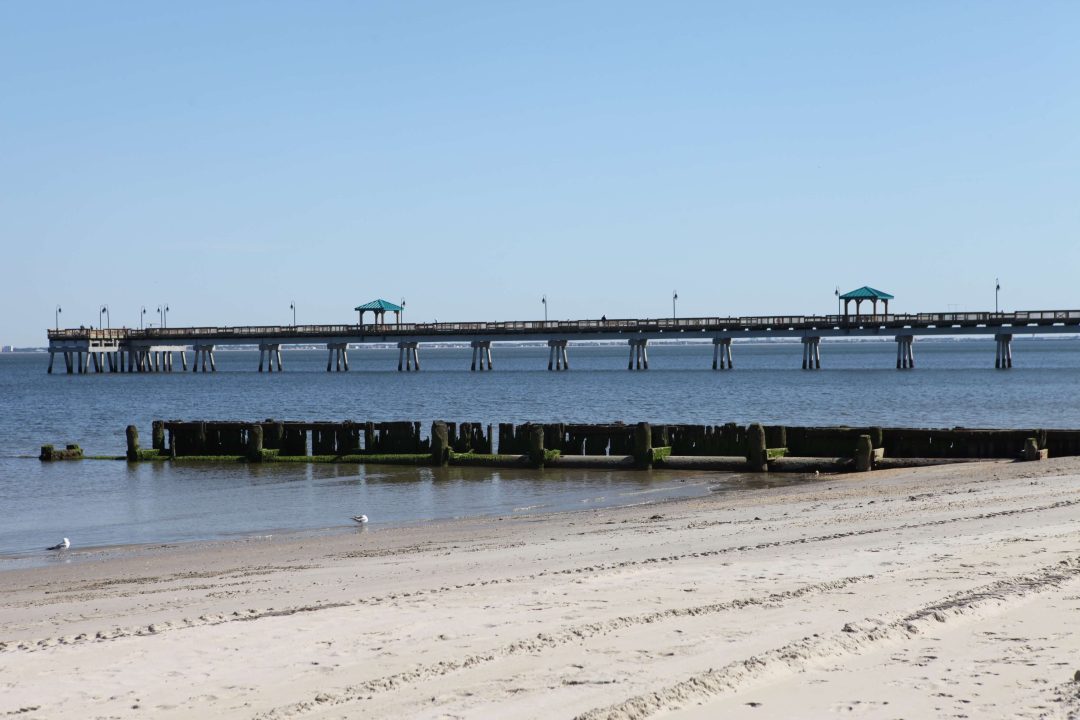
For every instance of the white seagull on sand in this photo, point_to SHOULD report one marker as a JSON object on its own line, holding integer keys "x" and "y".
{"x": 61, "y": 546}
{"x": 360, "y": 518}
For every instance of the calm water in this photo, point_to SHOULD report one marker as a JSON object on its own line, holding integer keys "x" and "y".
{"x": 104, "y": 502}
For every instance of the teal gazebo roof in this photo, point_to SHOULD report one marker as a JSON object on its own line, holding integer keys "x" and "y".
{"x": 866, "y": 293}
{"x": 379, "y": 305}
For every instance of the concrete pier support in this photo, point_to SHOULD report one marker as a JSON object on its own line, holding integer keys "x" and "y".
{"x": 481, "y": 349}
{"x": 811, "y": 354}
{"x": 203, "y": 354}
{"x": 52, "y": 357}
{"x": 1003, "y": 359}
{"x": 337, "y": 359}
{"x": 721, "y": 351}
{"x": 639, "y": 354}
{"x": 905, "y": 353}
{"x": 557, "y": 359}
{"x": 272, "y": 351}
{"x": 183, "y": 360}
{"x": 408, "y": 352}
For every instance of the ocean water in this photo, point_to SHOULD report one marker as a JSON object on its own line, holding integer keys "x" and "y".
{"x": 108, "y": 502}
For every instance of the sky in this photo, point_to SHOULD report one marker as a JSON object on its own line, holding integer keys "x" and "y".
{"x": 231, "y": 159}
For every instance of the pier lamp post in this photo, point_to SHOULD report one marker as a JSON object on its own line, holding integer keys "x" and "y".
{"x": 543, "y": 300}
{"x": 142, "y": 315}
{"x": 401, "y": 315}
{"x": 674, "y": 297}
{"x": 997, "y": 289}
{"x": 56, "y": 316}
{"x": 836, "y": 292}
{"x": 292, "y": 306}
{"x": 163, "y": 315}
{"x": 108, "y": 318}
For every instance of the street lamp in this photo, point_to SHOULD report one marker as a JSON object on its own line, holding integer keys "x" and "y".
{"x": 56, "y": 316}
{"x": 141, "y": 316}
{"x": 401, "y": 315}
{"x": 544, "y": 301}
{"x": 837, "y": 293}
{"x": 163, "y": 315}
{"x": 674, "y": 297}
{"x": 997, "y": 289}
{"x": 108, "y": 319}
{"x": 292, "y": 306}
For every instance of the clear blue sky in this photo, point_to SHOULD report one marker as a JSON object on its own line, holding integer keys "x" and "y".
{"x": 229, "y": 158}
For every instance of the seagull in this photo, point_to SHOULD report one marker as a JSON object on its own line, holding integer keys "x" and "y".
{"x": 360, "y": 518}
{"x": 61, "y": 546}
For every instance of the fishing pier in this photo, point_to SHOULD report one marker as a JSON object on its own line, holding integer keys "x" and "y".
{"x": 84, "y": 350}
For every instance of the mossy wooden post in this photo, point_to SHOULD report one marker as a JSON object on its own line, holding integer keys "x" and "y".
{"x": 864, "y": 454}
{"x": 48, "y": 453}
{"x": 440, "y": 443}
{"x": 255, "y": 442}
{"x": 536, "y": 445}
{"x": 132, "y": 443}
{"x": 756, "y": 457}
{"x": 643, "y": 445}
{"x": 158, "y": 435}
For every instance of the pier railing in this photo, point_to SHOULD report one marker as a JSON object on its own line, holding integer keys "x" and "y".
{"x": 572, "y": 327}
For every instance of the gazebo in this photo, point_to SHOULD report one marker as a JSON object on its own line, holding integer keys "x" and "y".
{"x": 866, "y": 293}
{"x": 379, "y": 308}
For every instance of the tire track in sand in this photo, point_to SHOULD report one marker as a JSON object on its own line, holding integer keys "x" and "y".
{"x": 540, "y": 643}
{"x": 853, "y": 638}
{"x": 258, "y": 614}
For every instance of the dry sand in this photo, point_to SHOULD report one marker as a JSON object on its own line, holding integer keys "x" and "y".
{"x": 941, "y": 592}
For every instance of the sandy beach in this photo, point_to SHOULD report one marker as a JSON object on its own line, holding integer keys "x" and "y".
{"x": 939, "y": 592}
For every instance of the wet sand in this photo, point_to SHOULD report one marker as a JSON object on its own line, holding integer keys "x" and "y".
{"x": 939, "y": 592}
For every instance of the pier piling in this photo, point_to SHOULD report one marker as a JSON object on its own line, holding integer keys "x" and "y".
{"x": 440, "y": 443}
{"x": 557, "y": 359}
{"x": 1003, "y": 358}
{"x": 643, "y": 444}
{"x": 756, "y": 455}
{"x": 132, "y": 434}
{"x": 639, "y": 354}
{"x": 255, "y": 442}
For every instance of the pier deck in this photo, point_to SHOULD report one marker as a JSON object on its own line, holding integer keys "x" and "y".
{"x": 124, "y": 349}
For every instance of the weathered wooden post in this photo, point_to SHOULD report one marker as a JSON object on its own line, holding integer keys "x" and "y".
{"x": 273, "y": 433}
{"x": 1032, "y": 451}
{"x": 643, "y": 445}
{"x": 157, "y": 435}
{"x": 132, "y": 443}
{"x": 440, "y": 443}
{"x": 255, "y": 442}
{"x": 864, "y": 454}
{"x": 756, "y": 456}
{"x": 536, "y": 445}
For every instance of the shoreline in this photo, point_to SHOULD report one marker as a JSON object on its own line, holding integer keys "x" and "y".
{"x": 793, "y": 600}
{"x": 39, "y": 558}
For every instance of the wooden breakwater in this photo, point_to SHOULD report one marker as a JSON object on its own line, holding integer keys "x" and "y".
{"x": 730, "y": 446}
